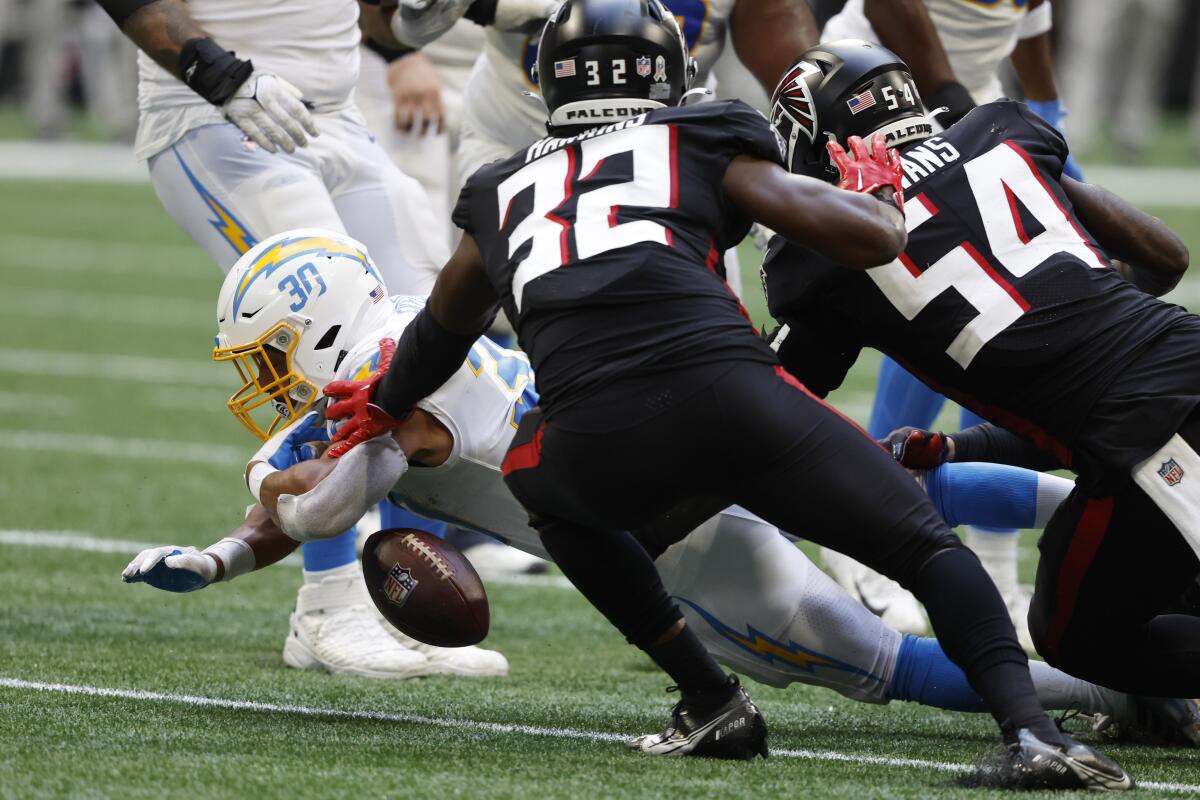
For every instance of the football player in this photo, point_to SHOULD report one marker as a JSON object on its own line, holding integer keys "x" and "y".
{"x": 1028, "y": 297}
{"x": 600, "y": 242}
{"x": 758, "y": 604}
{"x": 954, "y": 49}
{"x": 241, "y": 148}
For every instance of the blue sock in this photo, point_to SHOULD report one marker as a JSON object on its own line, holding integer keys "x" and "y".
{"x": 901, "y": 399}
{"x": 925, "y": 675}
{"x": 329, "y": 553}
{"x": 392, "y": 516}
{"x": 992, "y": 497}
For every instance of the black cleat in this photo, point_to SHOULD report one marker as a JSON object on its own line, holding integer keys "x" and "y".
{"x": 1034, "y": 764}
{"x": 735, "y": 729}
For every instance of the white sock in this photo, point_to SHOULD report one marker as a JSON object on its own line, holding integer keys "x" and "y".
{"x": 998, "y": 554}
{"x": 344, "y": 571}
{"x": 1058, "y": 690}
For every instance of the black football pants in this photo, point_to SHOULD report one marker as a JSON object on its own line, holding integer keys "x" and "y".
{"x": 1110, "y": 565}
{"x": 752, "y": 434}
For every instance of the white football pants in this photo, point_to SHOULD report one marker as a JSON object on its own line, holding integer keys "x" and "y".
{"x": 228, "y": 194}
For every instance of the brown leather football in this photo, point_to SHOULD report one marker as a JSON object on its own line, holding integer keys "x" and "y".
{"x": 425, "y": 587}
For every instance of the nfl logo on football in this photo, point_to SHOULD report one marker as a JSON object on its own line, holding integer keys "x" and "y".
{"x": 1171, "y": 472}
{"x": 399, "y": 584}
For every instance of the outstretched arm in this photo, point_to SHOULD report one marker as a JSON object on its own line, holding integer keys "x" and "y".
{"x": 1154, "y": 256}
{"x": 768, "y": 35}
{"x": 856, "y": 230}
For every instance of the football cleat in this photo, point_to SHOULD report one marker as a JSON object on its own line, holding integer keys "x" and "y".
{"x": 881, "y": 595}
{"x": 468, "y": 662}
{"x": 1154, "y": 721}
{"x": 1034, "y": 764}
{"x": 336, "y": 628}
{"x": 735, "y": 730}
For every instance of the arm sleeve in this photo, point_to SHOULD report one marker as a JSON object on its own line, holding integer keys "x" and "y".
{"x": 992, "y": 443}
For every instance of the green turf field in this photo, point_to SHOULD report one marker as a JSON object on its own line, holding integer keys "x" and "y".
{"x": 115, "y": 433}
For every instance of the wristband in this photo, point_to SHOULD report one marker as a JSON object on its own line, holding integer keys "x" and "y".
{"x": 389, "y": 54}
{"x": 234, "y": 555}
{"x": 122, "y": 10}
{"x": 211, "y": 71}
{"x": 255, "y": 477}
{"x": 1038, "y": 21}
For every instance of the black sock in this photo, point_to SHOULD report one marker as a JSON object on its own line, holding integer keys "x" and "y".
{"x": 691, "y": 667}
{"x": 1020, "y": 707}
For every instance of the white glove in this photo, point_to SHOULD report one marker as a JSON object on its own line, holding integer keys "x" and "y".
{"x": 522, "y": 15}
{"x": 269, "y": 110}
{"x": 172, "y": 568}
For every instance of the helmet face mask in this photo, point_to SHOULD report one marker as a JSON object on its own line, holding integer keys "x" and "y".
{"x": 841, "y": 89}
{"x": 603, "y": 61}
{"x": 288, "y": 312}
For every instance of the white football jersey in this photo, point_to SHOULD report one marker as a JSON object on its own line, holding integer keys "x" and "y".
{"x": 494, "y": 106}
{"x": 976, "y": 34}
{"x": 313, "y": 44}
{"x": 481, "y": 406}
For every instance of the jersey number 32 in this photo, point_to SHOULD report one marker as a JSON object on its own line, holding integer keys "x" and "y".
{"x": 596, "y": 229}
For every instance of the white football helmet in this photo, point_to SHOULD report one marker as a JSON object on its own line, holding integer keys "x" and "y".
{"x": 288, "y": 311}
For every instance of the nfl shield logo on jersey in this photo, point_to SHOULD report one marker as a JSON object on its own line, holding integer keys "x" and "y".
{"x": 643, "y": 66}
{"x": 1171, "y": 472}
{"x": 399, "y": 584}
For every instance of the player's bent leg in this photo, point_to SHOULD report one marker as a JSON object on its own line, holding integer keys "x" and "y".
{"x": 386, "y": 210}
{"x": 1109, "y": 565}
{"x": 900, "y": 399}
{"x": 762, "y": 608}
{"x": 227, "y": 194}
{"x": 336, "y": 628}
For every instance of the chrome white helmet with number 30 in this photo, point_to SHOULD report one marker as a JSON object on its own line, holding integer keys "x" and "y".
{"x": 288, "y": 311}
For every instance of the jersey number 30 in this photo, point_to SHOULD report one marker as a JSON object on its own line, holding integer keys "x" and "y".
{"x": 596, "y": 229}
{"x": 998, "y": 178}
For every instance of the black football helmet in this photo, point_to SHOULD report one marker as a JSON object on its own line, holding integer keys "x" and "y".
{"x": 603, "y": 61}
{"x": 842, "y": 89}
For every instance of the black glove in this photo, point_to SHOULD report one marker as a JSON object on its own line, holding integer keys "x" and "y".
{"x": 955, "y": 98}
{"x": 917, "y": 449}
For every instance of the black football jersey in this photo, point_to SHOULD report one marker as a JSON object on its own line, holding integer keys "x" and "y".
{"x": 1001, "y": 300}
{"x": 605, "y": 247}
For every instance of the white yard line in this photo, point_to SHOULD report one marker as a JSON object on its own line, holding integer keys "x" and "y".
{"x": 142, "y": 369}
{"x": 123, "y": 447}
{"x": 508, "y": 729}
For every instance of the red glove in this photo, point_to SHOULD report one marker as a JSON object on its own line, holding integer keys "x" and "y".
{"x": 868, "y": 172}
{"x": 917, "y": 449}
{"x": 365, "y": 419}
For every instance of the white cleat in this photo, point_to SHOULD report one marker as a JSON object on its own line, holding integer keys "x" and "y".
{"x": 881, "y": 595}
{"x": 336, "y": 628}
{"x": 1017, "y": 601}
{"x": 495, "y": 560}
{"x": 467, "y": 662}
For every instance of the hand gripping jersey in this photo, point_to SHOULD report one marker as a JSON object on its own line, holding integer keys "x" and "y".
{"x": 976, "y": 34}
{"x": 605, "y": 246}
{"x": 493, "y": 105}
{"x": 312, "y": 44}
{"x": 1001, "y": 300}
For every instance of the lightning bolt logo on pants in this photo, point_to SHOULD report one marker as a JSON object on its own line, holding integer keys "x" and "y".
{"x": 225, "y": 223}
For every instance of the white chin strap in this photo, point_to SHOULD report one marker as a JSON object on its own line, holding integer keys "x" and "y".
{"x": 602, "y": 111}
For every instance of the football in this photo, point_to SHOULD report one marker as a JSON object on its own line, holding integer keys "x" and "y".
{"x": 425, "y": 587}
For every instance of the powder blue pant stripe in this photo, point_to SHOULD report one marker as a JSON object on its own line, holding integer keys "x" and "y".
{"x": 330, "y": 553}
